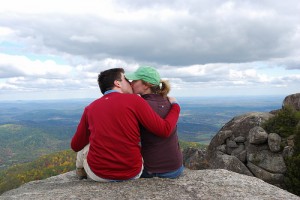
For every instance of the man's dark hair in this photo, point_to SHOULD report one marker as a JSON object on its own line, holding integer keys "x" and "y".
{"x": 106, "y": 78}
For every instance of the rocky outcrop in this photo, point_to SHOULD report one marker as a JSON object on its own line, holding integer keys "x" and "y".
{"x": 292, "y": 101}
{"x": 194, "y": 184}
{"x": 194, "y": 158}
{"x": 243, "y": 146}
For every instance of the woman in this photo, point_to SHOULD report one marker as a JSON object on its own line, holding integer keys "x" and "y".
{"x": 162, "y": 156}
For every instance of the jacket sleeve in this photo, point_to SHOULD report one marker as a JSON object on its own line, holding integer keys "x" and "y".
{"x": 82, "y": 134}
{"x": 153, "y": 122}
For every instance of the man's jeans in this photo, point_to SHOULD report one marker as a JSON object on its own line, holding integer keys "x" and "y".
{"x": 172, "y": 174}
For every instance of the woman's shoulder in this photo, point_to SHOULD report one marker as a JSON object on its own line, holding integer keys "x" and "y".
{"x": 156, "y": 98}
{"x": 132, "y": 97}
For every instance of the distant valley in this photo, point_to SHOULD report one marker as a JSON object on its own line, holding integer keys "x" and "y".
{"x": 30, "y": 129}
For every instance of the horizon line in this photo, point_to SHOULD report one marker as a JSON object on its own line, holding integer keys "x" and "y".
{"x": 179, "y": 97}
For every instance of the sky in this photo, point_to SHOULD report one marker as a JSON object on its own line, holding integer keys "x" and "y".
{"x": 56, "y": 49}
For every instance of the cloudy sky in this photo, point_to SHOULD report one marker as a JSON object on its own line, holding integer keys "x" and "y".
{"x": 55, "y": 49}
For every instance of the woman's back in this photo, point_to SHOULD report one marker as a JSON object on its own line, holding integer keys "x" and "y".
{"x": 160, "y": 154}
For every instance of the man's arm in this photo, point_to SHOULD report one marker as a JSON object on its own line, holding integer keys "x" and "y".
{"x": 82, "y": 134}
{"x": 153, "y": 122}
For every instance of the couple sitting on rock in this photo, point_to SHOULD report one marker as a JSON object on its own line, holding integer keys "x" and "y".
{"x": 123, "y": 136}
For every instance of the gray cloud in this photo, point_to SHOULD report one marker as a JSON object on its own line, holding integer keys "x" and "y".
{"x": 8, "y": 71}
{"x": 200, "y": 43}
{"x": 227, "y": 32}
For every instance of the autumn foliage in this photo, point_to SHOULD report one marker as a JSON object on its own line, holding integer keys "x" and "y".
{"x": 44, "y": 167}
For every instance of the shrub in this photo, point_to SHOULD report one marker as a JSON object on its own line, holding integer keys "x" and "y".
{"x": 297, "y": 139}
{"x": 185, "y": 145}
{"x": 283, "y": 123}
{"x": 292, "y": 179}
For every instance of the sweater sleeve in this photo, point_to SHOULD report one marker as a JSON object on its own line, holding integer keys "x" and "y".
{"x": 153, "y": 122}
{"x": 82, "y": 134}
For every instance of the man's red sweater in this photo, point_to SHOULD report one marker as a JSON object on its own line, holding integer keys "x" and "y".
{"x": 111, "y": 125}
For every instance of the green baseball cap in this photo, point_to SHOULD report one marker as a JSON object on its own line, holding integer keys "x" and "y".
{"x": 145, "y": 73}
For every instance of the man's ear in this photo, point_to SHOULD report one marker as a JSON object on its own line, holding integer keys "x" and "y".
{"x": 117, "y": 83}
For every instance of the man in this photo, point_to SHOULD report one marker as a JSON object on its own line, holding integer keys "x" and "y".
{"x": 108, "y": 133}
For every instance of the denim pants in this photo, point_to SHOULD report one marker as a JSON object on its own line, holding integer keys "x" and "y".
{"x": 173, "y": 174}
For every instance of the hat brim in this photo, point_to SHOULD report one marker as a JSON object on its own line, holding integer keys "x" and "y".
{"x": 131, "y": 76}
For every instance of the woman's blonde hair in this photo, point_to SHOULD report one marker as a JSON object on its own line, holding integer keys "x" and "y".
{"x": 163, "y": 88}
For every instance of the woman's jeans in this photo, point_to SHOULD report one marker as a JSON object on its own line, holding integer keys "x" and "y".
{"x": 172, "y": 174}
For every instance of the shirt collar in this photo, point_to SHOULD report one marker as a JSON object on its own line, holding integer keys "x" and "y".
{"x": 110, "y": 91}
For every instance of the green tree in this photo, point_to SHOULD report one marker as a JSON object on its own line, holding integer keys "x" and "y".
{"x": 283, "y": 123}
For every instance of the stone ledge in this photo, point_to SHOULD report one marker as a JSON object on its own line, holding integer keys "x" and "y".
{"x": 194, "y": 184}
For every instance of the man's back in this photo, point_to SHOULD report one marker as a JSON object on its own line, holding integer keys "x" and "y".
{"x": 114, "y": 152}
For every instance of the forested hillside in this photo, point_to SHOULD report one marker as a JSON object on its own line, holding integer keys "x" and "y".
{"x": 26, "y": 141}
{"x": 44, "y": 167}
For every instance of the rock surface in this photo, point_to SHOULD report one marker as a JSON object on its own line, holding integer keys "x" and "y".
{"x": 243, "y": 146}
{"x": 194, "y": 184}
{"x": 293, "y": 101}
{"x": 194, "y": 158}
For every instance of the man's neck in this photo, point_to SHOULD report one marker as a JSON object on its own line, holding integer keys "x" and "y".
{"x": 112, "y": 90}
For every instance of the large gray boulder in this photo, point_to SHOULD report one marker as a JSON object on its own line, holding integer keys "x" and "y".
{"x": 243, "y": 146}
{"x": 293, "y": 101}
{"x": 274, "y": 141}
{"x": 194, "y": 158}
{"x": 235, "y": 131}
{"x": 194, "y": 184}
{"x": 257, "y": 135}
{"x": 232, "y": 163}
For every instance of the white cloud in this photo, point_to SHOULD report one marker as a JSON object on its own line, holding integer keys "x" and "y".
{"x": 20, "y": 66}
{"x": 57, "y": 6}
{"x": 5, "y": 31}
